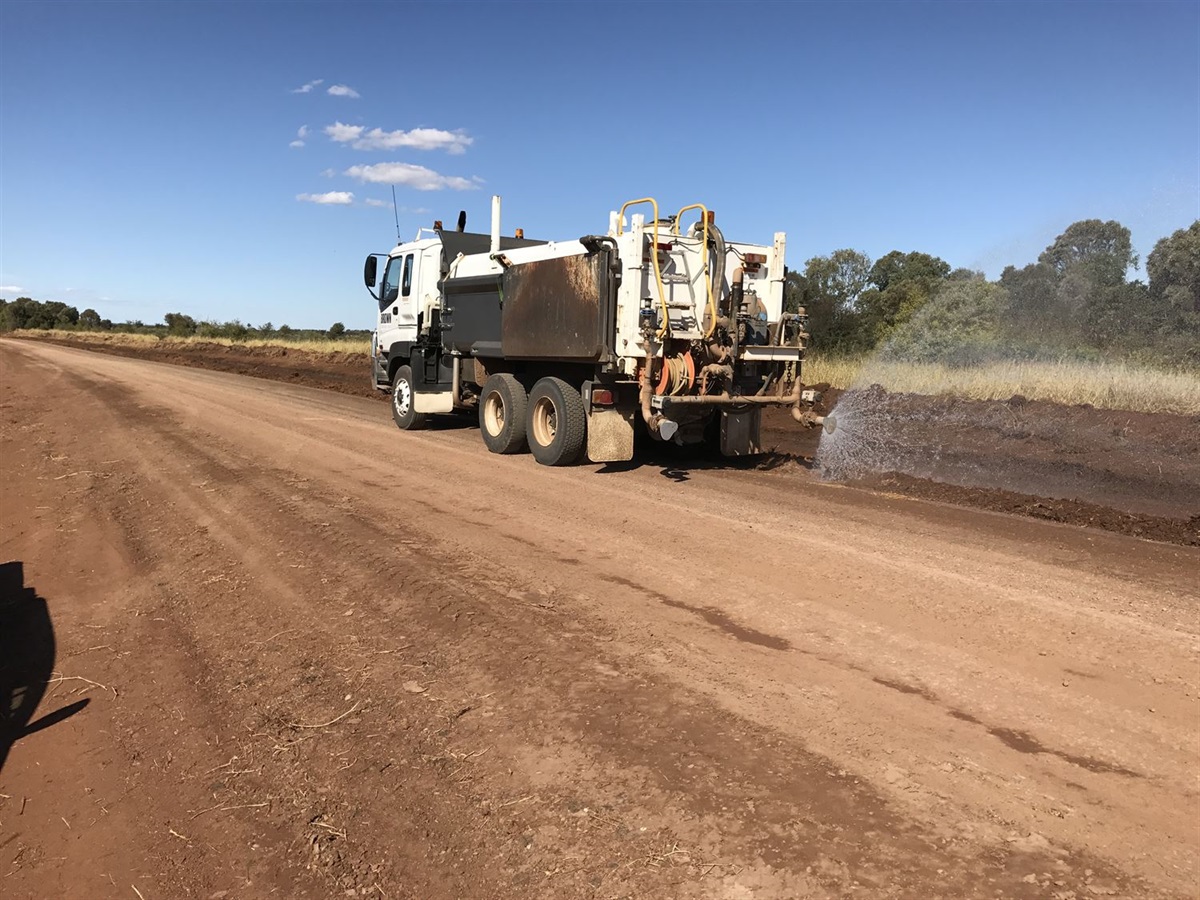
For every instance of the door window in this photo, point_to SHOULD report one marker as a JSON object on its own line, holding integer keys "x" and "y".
{"x": 406, "y": 287}
{"x": 391, "y": 281}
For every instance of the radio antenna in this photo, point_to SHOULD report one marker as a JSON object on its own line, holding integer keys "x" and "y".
{"x": 396, "y": 213}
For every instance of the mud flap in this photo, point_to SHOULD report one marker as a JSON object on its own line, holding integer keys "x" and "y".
{"x": 610, "y": 434}
{"x": 740, "y": 432}
{"x": 433, "y": 402}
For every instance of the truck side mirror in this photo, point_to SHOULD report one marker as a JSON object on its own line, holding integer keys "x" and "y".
{"x": 370, "y": 270}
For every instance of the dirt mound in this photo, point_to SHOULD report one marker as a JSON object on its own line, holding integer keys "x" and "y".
{"x": 1130, "y": 472}
{"x": 347, "y": 373}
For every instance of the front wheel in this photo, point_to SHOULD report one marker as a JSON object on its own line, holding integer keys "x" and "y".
{"x": 557, "y": 424}
{"x": 403, "y": 412}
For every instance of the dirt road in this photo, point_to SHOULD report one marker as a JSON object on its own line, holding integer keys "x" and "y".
{"x": 298, "y": 653}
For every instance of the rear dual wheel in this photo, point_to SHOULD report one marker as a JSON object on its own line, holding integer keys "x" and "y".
{"x": 550, "y": 420}
{"x": 557, "y": 423}
{"x": 502, "y": 413}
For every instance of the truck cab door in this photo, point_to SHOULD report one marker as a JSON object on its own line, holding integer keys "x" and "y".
{"x": 408, "y": 301}
{"x": 389, "y": 299}
{"x": 397, "y": 309}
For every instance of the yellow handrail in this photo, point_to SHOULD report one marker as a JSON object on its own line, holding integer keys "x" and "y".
{"x": 662, "y": 294}
{"x": 712, "y": 303}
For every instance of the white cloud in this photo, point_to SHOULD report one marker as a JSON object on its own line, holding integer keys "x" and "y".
{"x": 418, "y": 177}
{"x": 306, "y": 88}
{"x": 296, "y": 143}
{"x": 343, "y": 133}
{"x": 330, "y": 198}
{"x": 454, "y": 142}
{"x": 10, "y": 289}
{"x": 328, "y": 173}
{"x": 342, "y": 90}
{"x": 302, "y": 133}
{"x": 359, "y": 138}
{"x": 371, "y": 201}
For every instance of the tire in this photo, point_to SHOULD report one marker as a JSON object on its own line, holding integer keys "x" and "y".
{"x": 403, "y": 412}
{"x": 557, "y": 423}
{"x": 502, "y": 407}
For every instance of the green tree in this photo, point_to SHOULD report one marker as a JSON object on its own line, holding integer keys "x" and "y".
{"x": 66, "y": 316}
{"x": 89, "y": 319}
{"x": 1174, "y": 292}
{"x": 1076, "y": 293}
{"x": 896, "y": 267}
{"x": 902, "y": 284}
{"x": 17, "y": 314}
{"x": 965, "y": 274}
{"x": 828, "y": 291}
{"x": 1103, "y": 250}
{"x": 179, "y": 325}
{"x": 1033, "y": 295}
{"x": 336, "y": 330}
{"x": 1174, "y": 269}
{"x": 960, "y": 325}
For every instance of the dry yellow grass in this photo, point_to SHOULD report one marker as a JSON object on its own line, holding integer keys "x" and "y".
{"x": 109, "y": 337}
{"x": 1108, "y": 385}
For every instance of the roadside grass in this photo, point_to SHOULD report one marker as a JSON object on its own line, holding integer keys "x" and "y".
{"x": 1106, "y": 385}
{"x": 357, "y": 346}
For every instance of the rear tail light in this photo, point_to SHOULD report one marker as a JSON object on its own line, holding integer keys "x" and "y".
{"x": 602, "y": 397}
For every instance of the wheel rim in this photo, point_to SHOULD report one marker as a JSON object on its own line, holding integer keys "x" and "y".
{"x": 544, "y": 421}
{"x": 402, "y": 398}
{"x": 493, "y": 413}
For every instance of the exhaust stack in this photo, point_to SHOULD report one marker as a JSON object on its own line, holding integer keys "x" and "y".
{"x": 495, "y": 223}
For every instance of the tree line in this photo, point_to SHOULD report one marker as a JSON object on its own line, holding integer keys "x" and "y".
{"x": 26, "y": 313}
{"x": 1074, "y": 300}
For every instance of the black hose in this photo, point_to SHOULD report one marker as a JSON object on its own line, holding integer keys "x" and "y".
{"x": 718, "y": 270}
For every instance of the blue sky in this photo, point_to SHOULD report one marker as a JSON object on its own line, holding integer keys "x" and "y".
{"x": 151, "y": 158}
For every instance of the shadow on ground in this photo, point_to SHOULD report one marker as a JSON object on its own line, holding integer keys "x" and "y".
{"x": 675, "y": 463}
{"x": 26, "y": 660}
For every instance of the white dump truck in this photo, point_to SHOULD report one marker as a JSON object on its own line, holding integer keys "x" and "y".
{"x": 566, "y": 347}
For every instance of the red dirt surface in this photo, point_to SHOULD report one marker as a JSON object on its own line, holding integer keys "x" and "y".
{"x": 255, "y": 642}
{"x": 1130, "y": 472}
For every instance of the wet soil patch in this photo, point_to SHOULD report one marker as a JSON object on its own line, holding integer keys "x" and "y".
{"x": 1133, "y": 473}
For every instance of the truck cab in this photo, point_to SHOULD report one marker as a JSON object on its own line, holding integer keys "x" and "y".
{"x": 406, "y": 294}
